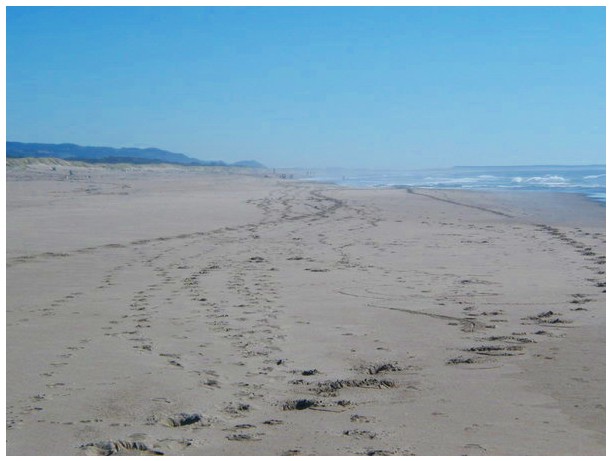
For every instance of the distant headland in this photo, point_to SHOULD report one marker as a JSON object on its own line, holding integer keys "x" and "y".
{"x": 96, "y": 154}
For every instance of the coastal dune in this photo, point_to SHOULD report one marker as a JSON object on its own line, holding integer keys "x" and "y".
{"x": 181, "y": 311}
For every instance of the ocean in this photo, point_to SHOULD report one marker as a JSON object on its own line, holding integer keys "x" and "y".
{"x": 586, "y": 180}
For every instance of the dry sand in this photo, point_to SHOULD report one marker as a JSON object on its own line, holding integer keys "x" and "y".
{"x": 154, "y": 310}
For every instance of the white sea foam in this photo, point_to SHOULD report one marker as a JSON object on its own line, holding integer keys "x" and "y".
{"x": 584, "y": 180}
{"x": 594, "y": 176}
{"x": 548, "y": 179}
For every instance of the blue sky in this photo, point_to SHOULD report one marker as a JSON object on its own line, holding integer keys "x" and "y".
{"x": 314, "y": 87}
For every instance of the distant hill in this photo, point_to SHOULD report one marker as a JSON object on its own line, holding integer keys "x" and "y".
{"x": 112, "y": 155}
{"x": 249, "y": 164}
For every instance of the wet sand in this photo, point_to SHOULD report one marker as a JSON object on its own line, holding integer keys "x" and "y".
{"x": 158, "y": 310}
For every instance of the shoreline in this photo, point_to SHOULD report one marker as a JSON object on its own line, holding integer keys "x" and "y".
{"x": 209, "y": 314}
{"x": 501, "y": 192}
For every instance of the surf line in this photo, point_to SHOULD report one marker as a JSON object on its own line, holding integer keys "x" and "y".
{"x": 411, "y": 191}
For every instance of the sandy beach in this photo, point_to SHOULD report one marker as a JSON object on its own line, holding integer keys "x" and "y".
{"x": 198, "y": 312}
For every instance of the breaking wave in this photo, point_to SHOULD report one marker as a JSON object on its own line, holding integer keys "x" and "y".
{"x": 587, "y": 180}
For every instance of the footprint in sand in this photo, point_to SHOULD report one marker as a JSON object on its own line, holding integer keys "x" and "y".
{"x": 119, "y": 448}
